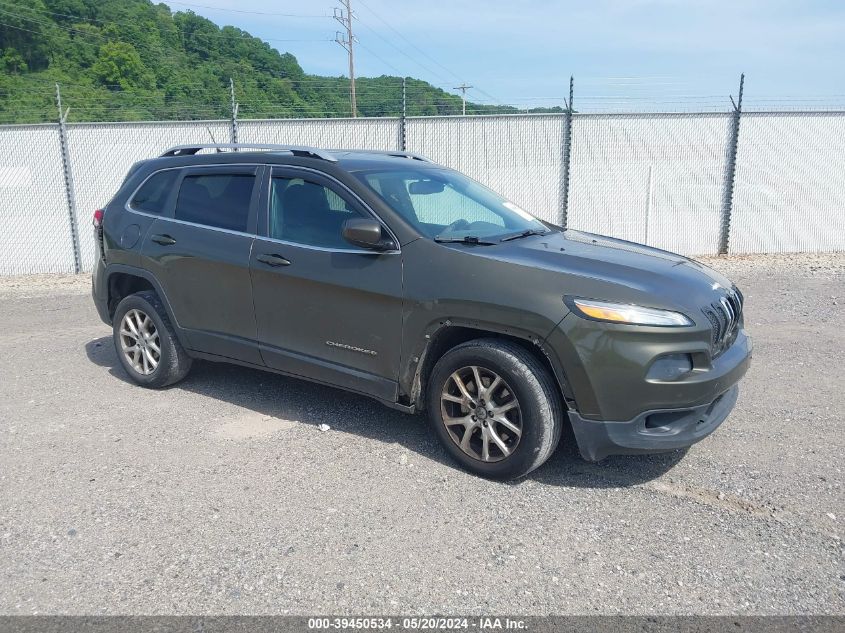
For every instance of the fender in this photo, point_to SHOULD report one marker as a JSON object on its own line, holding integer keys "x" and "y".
{"x": 112, "y": 269}
{"x": 412, "y": 372}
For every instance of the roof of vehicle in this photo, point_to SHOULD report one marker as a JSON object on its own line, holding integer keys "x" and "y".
{"x": 353, "y": 160}
{"x": 346, "y": 159}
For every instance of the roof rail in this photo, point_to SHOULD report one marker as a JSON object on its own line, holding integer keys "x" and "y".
{"x": 410, "y": 155}
{"x": 296, "y": 150}
{"x": 388, "y": 152}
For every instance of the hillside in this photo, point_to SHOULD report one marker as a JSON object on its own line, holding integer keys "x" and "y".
{"x": 135, "y": 60}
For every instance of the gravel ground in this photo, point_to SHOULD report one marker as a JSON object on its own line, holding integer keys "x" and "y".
{"x": 221, "y": 494}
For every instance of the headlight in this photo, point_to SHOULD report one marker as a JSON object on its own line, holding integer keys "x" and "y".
{"x": 626, "y": 313}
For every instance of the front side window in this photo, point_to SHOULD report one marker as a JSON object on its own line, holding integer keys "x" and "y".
{"x": 308, "y": 213}
{"x": 152, "y": 195}
{"x": 218, "y": 200}
{"x": 444, "y": 204}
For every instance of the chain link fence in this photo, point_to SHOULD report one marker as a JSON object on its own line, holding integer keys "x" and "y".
{"x": 100, "y": 154}
{"x": 790, "y": 183}
{"x": 660, "y": 179}
{"x": 35, "y": 235}
{"x": 381, "y": 134}
{"x": 654, "y": 179}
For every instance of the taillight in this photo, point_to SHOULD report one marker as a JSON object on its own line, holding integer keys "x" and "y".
{"x": 98, "y": 218}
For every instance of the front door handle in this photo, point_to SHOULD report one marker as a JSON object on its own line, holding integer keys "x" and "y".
{"x": 164, "y": 240}
{"x": 271, "y": 259}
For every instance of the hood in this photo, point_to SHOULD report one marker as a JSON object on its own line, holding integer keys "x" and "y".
{"x": 631, "y": 270}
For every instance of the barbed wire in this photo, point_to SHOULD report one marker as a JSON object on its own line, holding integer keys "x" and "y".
{"x": 30, "y": 99}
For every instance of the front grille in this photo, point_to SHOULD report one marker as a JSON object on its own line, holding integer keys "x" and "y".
{"x": 725, "y": 316}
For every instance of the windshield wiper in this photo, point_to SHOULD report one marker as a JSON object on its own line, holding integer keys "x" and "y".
{"x": 516, "y": 236}
{"x": 466, "y": 239}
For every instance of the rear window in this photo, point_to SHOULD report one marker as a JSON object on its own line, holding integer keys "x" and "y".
{"x": 218, "y": 200}
{"x": 152, "y": 195}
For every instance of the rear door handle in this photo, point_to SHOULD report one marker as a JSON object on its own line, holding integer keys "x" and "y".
{"x": 271, "y": 259}
{"x": 164, "y": 240}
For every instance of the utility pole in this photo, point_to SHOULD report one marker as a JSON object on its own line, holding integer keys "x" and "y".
{"x": 347, "y": 42}
{"x": 463, "y": 88}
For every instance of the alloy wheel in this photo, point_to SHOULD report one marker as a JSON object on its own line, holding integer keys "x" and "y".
{"x": 139, "y": 342}
{"x": 481, "y": 413}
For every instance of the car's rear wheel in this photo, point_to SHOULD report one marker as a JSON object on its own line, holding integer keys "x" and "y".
{"x": 495, "y": 407}
{"x": 146, "y": 343}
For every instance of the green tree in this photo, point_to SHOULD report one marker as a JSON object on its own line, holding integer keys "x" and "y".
{"x": 13, "y": 62}
{"x": 119, "y": 64}
{"x": 136, "y": 60}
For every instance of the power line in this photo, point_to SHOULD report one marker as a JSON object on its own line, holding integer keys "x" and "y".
{"x": 351, "y": 41}
{"x": 228, "y": 10}
{"x": 488, "y": 95}
{"x": 340, "y": 17}
{"x": 416, "y": 61}
{"x": 117, "y": 99}
{"x": 86, "y": 34}
{"x": 12, "y": 26}
{"x": 420, "y": 51}
{"x": 281, "y": 15}
{"x": 44, "y": 23}
{"x": 409, "y": 42}
{"x": 214, "y": 88}
{"x": 379, "y": 57}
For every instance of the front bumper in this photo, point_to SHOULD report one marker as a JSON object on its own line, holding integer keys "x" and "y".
{"x": 653, "y": 431}
{"x": 607, "y": 367}
{"x": 620, "y": 407}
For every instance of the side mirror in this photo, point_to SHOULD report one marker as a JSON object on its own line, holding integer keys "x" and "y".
{"x": 366, "y": 233}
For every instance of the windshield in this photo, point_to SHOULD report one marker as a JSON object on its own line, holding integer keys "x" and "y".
{"x": 448, "y": 206}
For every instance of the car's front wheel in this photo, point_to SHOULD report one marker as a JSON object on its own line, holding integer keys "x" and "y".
{"x": 146, "y": 343}
{"x": 495, "y": 407}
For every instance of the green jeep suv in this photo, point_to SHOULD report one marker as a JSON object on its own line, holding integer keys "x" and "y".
{"x": 385, "y": 274}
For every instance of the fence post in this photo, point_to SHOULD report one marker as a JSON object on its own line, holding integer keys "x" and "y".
{"x": 403, "y": 139}
{"x": 567, "y": 152}
{"x": 234, "y": 108}
{"x": 68, "y": 175}
{"x": 730, "y": 171}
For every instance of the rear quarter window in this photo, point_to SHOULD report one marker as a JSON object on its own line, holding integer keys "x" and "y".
{"x": 152, "y": 195}
{"x": 216, "y": 200}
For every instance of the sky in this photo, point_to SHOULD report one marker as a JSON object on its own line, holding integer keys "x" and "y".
{"x": 624, "y": 54}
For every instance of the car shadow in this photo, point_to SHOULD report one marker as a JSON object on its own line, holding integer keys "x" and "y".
{"x": 566, "y": 467}
{"x": 309, "y": 403}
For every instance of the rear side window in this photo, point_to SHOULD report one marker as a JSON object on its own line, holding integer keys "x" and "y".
{"x": 218, "y": 200}
{"x": 153, "y": 194}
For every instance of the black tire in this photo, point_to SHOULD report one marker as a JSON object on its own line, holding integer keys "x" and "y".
{"x": 541, "y": 413}
{"x": 173, "y": 362}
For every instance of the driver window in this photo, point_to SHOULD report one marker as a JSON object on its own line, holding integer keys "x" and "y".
{"x": 443, "y": 207}
{"x": 307, "y": 213}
